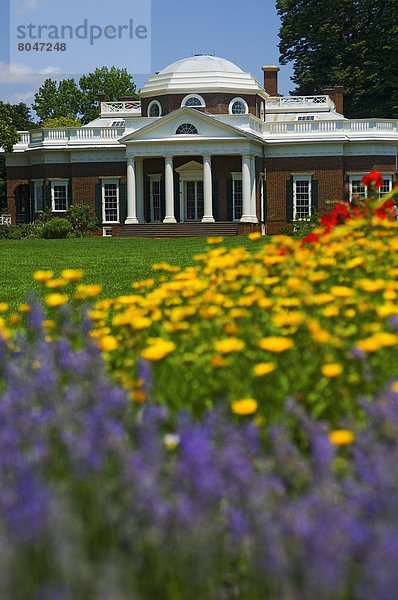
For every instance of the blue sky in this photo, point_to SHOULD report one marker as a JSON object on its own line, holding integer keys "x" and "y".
{"x": 243, "y": 31}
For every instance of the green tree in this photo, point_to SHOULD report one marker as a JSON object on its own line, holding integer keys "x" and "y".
{"x": 114, "y": 83}
{"x": 62, "y": 99}
{"x": 69, "y": 121}
{"x": 66, "y": 98}
{"x": 353, "y": 43}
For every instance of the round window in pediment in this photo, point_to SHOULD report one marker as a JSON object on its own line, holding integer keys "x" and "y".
{"x": 187, "y": 129}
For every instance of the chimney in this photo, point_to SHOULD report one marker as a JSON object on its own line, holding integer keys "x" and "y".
{"x": 336, "y": 94}
{"x": 271, "y": 80}
{"x": 101, "y": 98}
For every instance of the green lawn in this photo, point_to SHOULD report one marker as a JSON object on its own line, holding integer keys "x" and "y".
{"x": 115, "y": 263}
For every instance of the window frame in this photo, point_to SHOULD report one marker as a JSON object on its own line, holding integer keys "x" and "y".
{"x": 198, "y": 97}
{"x": 296, "y": 179}
{"x": 234, "y": 101}
{"x": 358, "y": 177}
{"x": 184, "y": 124}
{"x": 59, "y": 182}
{"x": 112, "y": 181}
{"x": 155, "y": 178}
{"x": 151, "y": 105}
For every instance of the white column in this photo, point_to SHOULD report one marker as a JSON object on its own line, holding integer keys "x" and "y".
{"x": 207, "y": 191}
{"x": 169, "y": 189}
{"x": 139, "y": 175}
{"x": 253, "y": 191}
{"x": 131, "y": 193}
{"x": 246, "y": 189}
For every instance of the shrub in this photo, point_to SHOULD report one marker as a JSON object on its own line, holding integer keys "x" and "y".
{"x": 18, "y": 232}
{"x": 82, "y": 220}
{"x": 56, "y": 228}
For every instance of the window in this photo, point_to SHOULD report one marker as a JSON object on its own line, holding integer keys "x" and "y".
{"x": 107, "y": 232}
{"x": 238, "y": 106}
{"x": 306, "y": 118}
{"x": 302, "y": 197}
{"x": 262, "y": 111}
{"x": 360, "y": 191}
{"x": 154, "y": 109}
{"x": 110, "y": 201}
{"x": 193, "y": 100}
{"x": 187, "y": 129}
{"x": 59, "y": 196}
{"x": 237, "y": 196}
{"x": 38, "y": 195}
{"x": 120, "y": 123}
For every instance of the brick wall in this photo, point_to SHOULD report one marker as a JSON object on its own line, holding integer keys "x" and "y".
{"x": 329, "y": 171}
{"x": 215, "y": 103}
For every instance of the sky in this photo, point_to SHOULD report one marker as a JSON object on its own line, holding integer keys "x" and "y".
{"x": 242, "y": 31}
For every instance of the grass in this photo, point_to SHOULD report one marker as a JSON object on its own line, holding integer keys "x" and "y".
{"x": 114, "y": 263}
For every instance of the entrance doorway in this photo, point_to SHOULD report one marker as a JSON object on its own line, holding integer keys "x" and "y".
{"x": 193, "y": 195}
{"x": 22, "y": 204}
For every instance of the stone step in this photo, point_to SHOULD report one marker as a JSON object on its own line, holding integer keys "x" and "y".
{"x": 179, "y": 230}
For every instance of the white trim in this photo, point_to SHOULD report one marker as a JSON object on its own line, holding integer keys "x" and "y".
{"x": 297, "y": 178}
{"x": 189, "y": 96}
{"x": 104, "y": 230}
{"x": 238, "y": 99}
{"x": 191, "y": 171}
{"x": 59, "y": 182}
{"x": 114, "y": 181}
{"x": 154, "y": 103}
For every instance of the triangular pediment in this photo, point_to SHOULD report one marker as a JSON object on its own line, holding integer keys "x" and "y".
{"x": 192, "y": 165}
{"x": 164, "y": 128}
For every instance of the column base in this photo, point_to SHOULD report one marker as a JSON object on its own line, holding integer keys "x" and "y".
{"x": 255, "y": 220}
{"x": 169, "y": 220}
{"x": 131, "y": 221}
{"x": 208, "y": 220}
{"x": 246, "y": 219}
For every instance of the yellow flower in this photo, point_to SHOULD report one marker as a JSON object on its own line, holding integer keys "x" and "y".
{"x": 49, "y": 324}
{"x": 24, "y": 308}
{"x": 138, "y": 396}
{"x": 87, "y": 291}
{"x": 341, "y": 437}
{"x": 158, "y": 350}
{"x": 54, "y": 284}
{"x": 56, "y": 299}
{"x": 213, "y": 241}
{"x": 171, "y": 441}
{"x": 217, "y": 361}
{"x": 255, "y": 236}
{"x": 332, "y": 370}
{"x": 276, "y": 344}
{"x": 72, "y": 274}
{"x": 108, "y": 343}
{"x": 394, "y": 387}
{"x": 264, "y": 368}
{"x": 3, "y": 307}
{"x": 43, "y": 275}
{"x": 228, "y": 345}
{"x": 341, "y": 291}
{"x": 247, "y": 406}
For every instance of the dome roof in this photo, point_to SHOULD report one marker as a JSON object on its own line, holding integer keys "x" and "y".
{"x": 202, "y": 74}
{"x": 202, "y": 63}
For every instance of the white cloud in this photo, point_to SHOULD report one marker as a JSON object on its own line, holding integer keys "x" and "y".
{"x": 22, "y": 7}
{"x": 20, "y": 74}
{"x": 27, "y": 97}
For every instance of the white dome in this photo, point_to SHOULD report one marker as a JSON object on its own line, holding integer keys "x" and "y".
{"x": 202, "y": 63}
{"x": 202, "y": 74}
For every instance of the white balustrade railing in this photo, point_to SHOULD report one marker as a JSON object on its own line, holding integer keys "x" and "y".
{"x": 284, "y": 102}
{"x": 329, "y": 127}
{"x": 127, "y": 106}
{"x": 5, "y": 219}
{"x": 73, "y": 135}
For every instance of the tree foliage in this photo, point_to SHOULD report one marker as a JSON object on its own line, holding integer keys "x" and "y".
{"x": 353, "y": 43}
{"x": 67, "y": 98}
{"x": 69, "y": 121}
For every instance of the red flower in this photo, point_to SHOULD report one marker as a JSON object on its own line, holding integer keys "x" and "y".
{"x": 329, "y": 220}
{"x": 312, "y": 238}
{"x": 386, "y": 209}
{"x": 341, "y": 212}
{"x": 374, "y": 179}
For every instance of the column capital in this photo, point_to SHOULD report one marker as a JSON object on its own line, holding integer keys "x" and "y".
{"x": 206, "y": 156}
